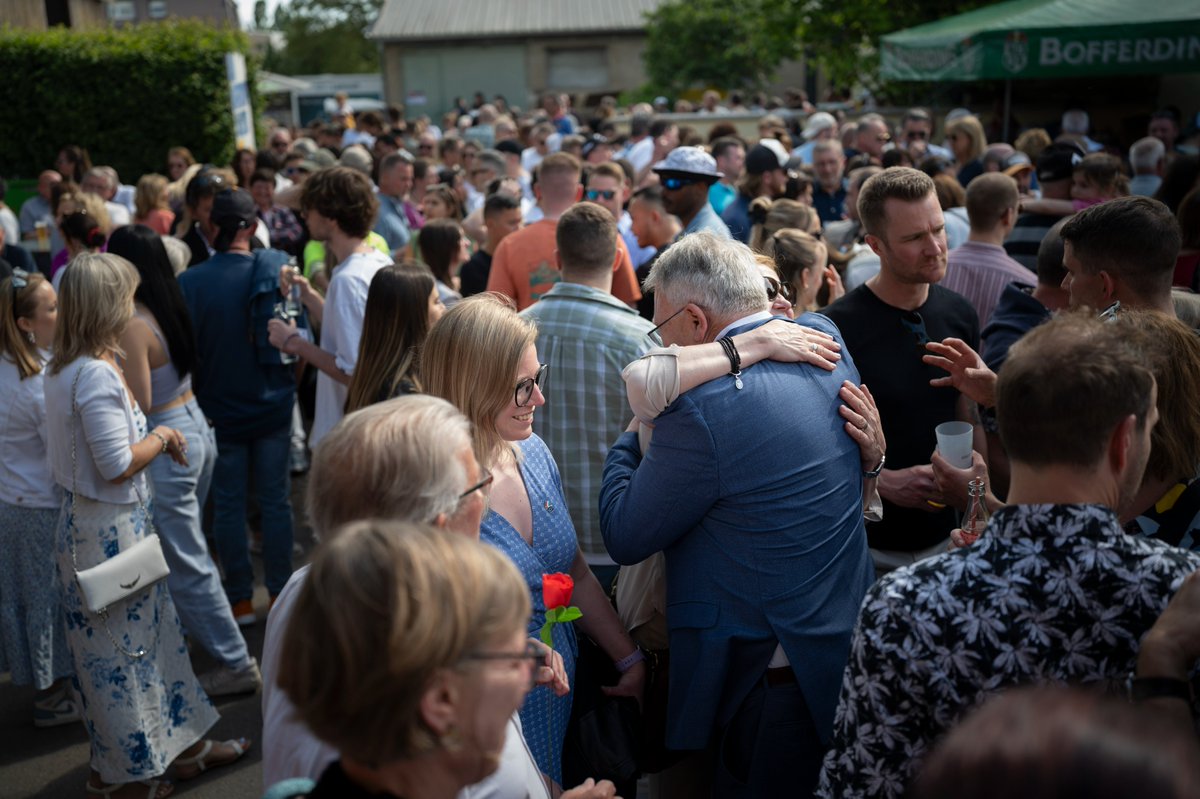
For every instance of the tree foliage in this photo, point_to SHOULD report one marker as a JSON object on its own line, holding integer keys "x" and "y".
{"x": 126, "y": 94}
{"x": 719, "y": 42}
{"x": 843, "y": 35}
{"x": 741, "y": 43}
{"x": 325, "y": 36}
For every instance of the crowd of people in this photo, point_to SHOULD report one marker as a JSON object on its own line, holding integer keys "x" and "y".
{"x": 450, "y": 328}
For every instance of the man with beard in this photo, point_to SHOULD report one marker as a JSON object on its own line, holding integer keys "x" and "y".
{"x": 686, "y": 174}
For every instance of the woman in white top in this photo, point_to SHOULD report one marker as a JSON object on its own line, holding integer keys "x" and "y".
{"x": 143, "y": 714}
{"x": 32, "y": 646}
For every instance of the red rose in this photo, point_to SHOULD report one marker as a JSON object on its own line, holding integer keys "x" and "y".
{"x": 556, "y": 590}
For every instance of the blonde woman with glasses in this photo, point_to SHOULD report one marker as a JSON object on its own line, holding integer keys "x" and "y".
{"x": 481, "y": 357}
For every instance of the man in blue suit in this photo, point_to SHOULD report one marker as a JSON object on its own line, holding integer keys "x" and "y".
{"x": 754, "y": 492}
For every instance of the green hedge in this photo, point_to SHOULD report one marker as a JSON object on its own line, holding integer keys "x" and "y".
{"x": 126, "y": 95}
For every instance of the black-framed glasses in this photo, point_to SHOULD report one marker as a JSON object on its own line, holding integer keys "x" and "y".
{"x": 533, "y": 653}
{"x": 776, "y": 288}
{"x": 596, "y": 194}
{"x": 1109, "y": 314}
{"x": 675, "y": 184}
{"x": 487, "y": 478}
{"x": 654, "y": 334}
{"x": 914, "y": 323}
{"x": 524, "y": 390}
{"x": 916, "y": 134}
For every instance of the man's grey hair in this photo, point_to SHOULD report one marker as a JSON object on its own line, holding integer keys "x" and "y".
{"x": 105, "y": 173}
{"x": 719, "y": 275}
{"x": 397, "y": 459}
{"x": 493, "y": 160}
{"x": 917, "y": 114}
{"x": 1076, "y": 121}
{"x": 1145, "y": 154}
{"x": 866, "y": 121}
{"x": 828, "y": 144}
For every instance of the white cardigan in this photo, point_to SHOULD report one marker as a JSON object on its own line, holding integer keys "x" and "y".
{"x": 104, "y": 431}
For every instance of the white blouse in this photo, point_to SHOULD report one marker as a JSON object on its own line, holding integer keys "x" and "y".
{"x": 25, "y": 478}
{"x": 103, "y": 432}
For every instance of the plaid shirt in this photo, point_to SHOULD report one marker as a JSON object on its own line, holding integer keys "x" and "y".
{"x": 587, "y": 337}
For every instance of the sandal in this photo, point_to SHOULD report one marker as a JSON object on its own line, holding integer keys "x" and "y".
{"x": 200, "y": 762}
{"x": 158, "y": 789}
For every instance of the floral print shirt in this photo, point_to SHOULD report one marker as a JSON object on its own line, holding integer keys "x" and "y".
{"x": 1049, "y": 593}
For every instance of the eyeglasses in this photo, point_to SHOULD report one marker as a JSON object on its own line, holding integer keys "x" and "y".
{"x": 533, "y": 653}
{"x": 675, "y": 184}
{"x": 524, "y": 391}
{"x": 883, "y": 137}
{"x": 596, "y": 194}
{"x": 916, "y": 134}
{"x": 776, "y": 287}
{"x": 1109, "y": 314}
{"x": 654, "y": 335}
{"x": 279, "y": 145}
{"x": 914, "y": 323}
{"x": 488, "y": 479}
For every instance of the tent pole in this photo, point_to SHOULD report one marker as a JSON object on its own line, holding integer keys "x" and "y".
{"x": 1007, "y": 105}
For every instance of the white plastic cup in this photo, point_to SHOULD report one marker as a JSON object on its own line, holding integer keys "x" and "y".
{"x": 954, "y": 443}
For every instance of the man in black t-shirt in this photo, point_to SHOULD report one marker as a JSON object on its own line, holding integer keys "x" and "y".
{"x": 886, "y": 323}
{"x": 501, "y": 216}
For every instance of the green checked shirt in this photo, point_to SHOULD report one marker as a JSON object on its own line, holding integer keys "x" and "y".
{"x": 587, "y": 337}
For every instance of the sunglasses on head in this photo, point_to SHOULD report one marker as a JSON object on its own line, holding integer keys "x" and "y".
{"x": 674, "y": 184}
{"x": 596, "y": 194}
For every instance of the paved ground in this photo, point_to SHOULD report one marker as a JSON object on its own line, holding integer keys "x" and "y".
{"x": 52, "y": 764}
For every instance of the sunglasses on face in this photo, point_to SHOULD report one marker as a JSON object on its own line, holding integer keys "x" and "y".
{"x": 916, "y": 134}
{"x": 675, "y": 184}
{"x": 776, "y": 288}
{"x": 524, "y": 390}
{"x": 596, "y": 194}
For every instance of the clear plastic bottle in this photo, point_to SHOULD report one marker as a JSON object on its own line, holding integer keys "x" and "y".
{"x": 975, "y": 520}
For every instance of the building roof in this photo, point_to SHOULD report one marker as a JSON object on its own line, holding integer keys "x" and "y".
{"x": 408, "y": 20}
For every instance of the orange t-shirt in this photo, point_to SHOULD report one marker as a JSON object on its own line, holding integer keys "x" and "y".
{"x": 524, "y": 268}
{"x": 159, "y": 220}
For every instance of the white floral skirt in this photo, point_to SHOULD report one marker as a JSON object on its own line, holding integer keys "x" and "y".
{"x": 140, "y": 713}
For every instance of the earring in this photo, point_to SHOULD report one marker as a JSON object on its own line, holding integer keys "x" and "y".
{"x": 29, "y": 335}
{"x": 450, "y": 739}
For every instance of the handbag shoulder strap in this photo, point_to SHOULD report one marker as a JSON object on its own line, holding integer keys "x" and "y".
{"x": 75, "y": 415}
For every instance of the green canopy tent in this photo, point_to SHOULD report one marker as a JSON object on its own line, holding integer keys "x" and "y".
{"x": 1048, "y": 39}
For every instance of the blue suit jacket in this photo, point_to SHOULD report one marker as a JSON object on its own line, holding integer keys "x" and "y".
{"x": 756, "y": 498}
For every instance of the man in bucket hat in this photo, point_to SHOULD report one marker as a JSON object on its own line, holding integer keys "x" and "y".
{"x": 685, "y": 175}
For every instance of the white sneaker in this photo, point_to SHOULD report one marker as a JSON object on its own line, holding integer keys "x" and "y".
{"x": 225, "y": 681}
{"x": 55, "y": 710}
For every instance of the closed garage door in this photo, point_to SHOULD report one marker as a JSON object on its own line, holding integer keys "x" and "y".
{"x": 443, "y": 74}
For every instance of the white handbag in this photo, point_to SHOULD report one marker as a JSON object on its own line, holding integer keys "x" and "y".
{"x": 131, "y": 571}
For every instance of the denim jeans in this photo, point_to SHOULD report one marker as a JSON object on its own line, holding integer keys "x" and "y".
{"x": 179, "y": 495}
{"x": 264, "y": 462}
